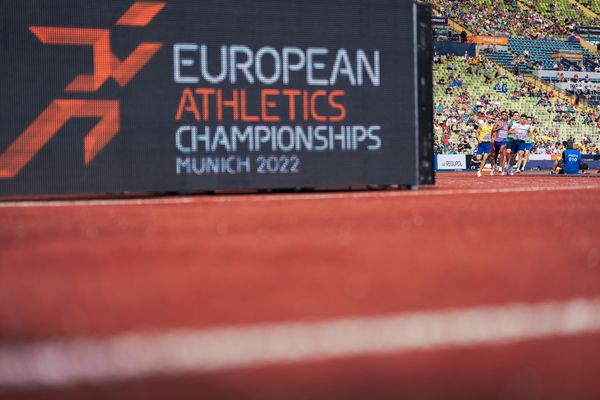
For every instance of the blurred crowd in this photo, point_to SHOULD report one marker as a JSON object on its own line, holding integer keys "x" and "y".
{"x": 534, "y": 19}
{"x": 562, "y": 14}
{"x": 502, "y": 18}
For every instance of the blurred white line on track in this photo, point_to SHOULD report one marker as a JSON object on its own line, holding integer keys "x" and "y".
{"x": 96, "y": 203}
{"x": 73, "y": 361}
{"x": 259, "y": 198}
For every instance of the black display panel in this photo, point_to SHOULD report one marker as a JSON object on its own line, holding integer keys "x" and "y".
{"x": 124, "y": 96}
{"x": 425, "y": 94}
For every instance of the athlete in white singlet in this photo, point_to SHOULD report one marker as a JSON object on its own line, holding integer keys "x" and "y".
{"x": 522, "y": 130}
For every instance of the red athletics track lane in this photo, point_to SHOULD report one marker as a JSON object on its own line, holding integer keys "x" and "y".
{"x": 92, "y": 270}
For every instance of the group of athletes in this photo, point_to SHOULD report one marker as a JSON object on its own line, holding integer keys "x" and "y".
{"x": 504, "y": 140}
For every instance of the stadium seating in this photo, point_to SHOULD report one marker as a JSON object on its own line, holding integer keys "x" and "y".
{"x": 501, "y": 18}
{"x": 593, "y": 5}
{"x": 540, "y": 54}
{"x": 477, "y": 87}
{"x": 563, "y": 12}
{"x": 536, "y": 31}
{"x": 505, "y": 59}
{"x": 579, "y": 86}
{"x": 541, "y": 50}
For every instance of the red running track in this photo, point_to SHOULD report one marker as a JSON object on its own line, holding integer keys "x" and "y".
{"x": 99, "y": 269}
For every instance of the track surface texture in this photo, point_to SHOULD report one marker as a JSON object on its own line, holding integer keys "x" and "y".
{"x": 89, "y": 272}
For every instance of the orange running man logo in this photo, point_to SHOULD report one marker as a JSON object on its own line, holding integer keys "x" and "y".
{"x": 106, "y": 66}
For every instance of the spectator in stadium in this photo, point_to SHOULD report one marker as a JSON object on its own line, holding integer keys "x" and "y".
{"x": 586, "y": 140}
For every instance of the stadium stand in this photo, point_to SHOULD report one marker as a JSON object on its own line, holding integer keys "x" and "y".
{"x": 592, "y": 5}
{"x": 562, "y": 13}
{"x": 581, "y": 85}
{"x": 531, "y": 54}
{"x": 523, "y": 75}
{"x": 511, "y": 61}
{"x": 487, "y": 17}
{"x": 466, "y": 89}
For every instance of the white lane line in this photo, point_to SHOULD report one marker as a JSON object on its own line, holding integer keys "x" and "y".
{"x": 257, "y": 198}
{"x": 95, "y": 203}
{"x": 137, "y": 355}
{"x": 399, "y": 193}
